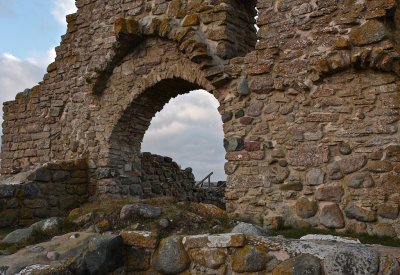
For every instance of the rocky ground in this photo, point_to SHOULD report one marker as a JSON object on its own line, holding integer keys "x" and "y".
{"x": 164, "y": 236}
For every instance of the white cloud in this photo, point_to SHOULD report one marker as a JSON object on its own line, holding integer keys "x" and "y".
{"x": 61, "y": 8}
{"x": 189, "y": 129}
{"x": 42, "y": 59}
{"x": 15, "y": 76}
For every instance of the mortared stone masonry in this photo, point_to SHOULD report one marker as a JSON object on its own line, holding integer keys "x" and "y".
{"x": 310, "y": 102}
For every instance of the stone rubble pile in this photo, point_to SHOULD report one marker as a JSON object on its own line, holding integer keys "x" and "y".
{"x": 309, "y": 102}
{"x": 140, "y": 252}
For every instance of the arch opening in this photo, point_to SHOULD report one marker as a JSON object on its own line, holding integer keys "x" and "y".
{"x": 189, "y": 129}
{"x": 125, "y": 157}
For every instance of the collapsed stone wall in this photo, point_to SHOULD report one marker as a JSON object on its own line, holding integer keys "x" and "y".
{"x": 140, "y": 252}
{"x": 309, "y": 104}
{"x": 49, "y": 190}
{"x": 243, "y": 254}
{"x": 161, "y": 176}
{"x": 55, "y": 188}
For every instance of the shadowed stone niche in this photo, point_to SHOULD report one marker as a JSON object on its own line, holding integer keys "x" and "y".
{"x": 310, "y": 103}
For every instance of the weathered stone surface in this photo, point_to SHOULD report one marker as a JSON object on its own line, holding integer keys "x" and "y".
{"x": 302, "y": 264}
{"x": 9, "y": 216}
{"x": 329, "y": 193}
{"x": 331, "y": 216}
{"x": 356, "y": 226}
{"x": 70, "y": 247}
{"x": 351, "y": 261}
{"x": 393, "y": 153}
{"x": 361, "y": 180}
{"x": 48, "y": 226}
{"x": 292, "y": 186}
{"x": 170, "y": 256}
{"x": 389, "y": 266}
{"x": 227, "y": 117}
{"x": 370, "y": 32}
{"x": 334, "y": 172}
{"x": 380, "y": 166}
{"x": 243, "y": 87}
{"x": 384, "y": 230}
{"x": 353, "y": 211}
{"x": 18, "y": 236}
{"x": 104, "y": 254}
{"x": 190, "y": 20}
{"x": 275, "y": 174}
{"x": 352, "y": 164}
{"x": 329, "y": 238}
{"x": 306, "y": 208}
{"x": 207, "y": 210}
{"x": 233, "y": 144}
{"x": 325, "y": 98}
{"x": 139, "y": 238}
{"x": 249, "y": 229}
{"x": 388, "y": 210}
{"x": 41, "y": 174}
{"x": 249, "y": 259}
{"x": 139, "y": 210}
{"x": 273, "y": 223}
{"x": 214, "y": 241}
{"x": 307, "y": 156}
{"x": 209, "y": 257}
{"x": 306, "y": 264}
{"x": 6, "y": 190}
{"x": 38, "y": 269}
{"x": 315, "y": 176}
{"x": 254, "y": 109}
{"x": 137, "y": 259}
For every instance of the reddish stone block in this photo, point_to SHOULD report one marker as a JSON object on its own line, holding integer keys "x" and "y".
{"x": 246, "y": 120}
{"x": 252, "y": 146}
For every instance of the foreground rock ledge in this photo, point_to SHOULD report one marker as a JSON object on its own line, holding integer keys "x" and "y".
{"x": 92, "y": 253}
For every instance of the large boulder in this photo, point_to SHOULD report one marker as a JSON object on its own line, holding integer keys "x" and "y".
{"x": 47, "y": 226}
{"x": 103, "y": 255}
{"x": 336, "y": 257}
{"x": 350, "y": 259}
{"x": 18, "y": 236}
{"x": 208, "y": 257}
{"x": 81, "y": 252}
{"x": 170, "y": 257}
{"x": 302, "y": 264}
{"x": 139, "y": 210}
{"x": 249, "y": 259}
{"x": 249, "y": 229}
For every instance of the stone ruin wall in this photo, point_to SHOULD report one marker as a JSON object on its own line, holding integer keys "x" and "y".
{"x": 57, "y": 187}
{"x": 49, "y": 190}
{"x": 310, "y": 105}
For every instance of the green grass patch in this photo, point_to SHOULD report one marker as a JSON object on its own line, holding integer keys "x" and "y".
{"x": 297, "y": 233}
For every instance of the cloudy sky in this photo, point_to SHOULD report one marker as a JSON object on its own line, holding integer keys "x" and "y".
{"x": 188, "y": 129}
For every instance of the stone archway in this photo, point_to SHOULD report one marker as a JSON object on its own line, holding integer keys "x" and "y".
{"x": 135, "y": 92}
{"x": 124, "y": 155}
